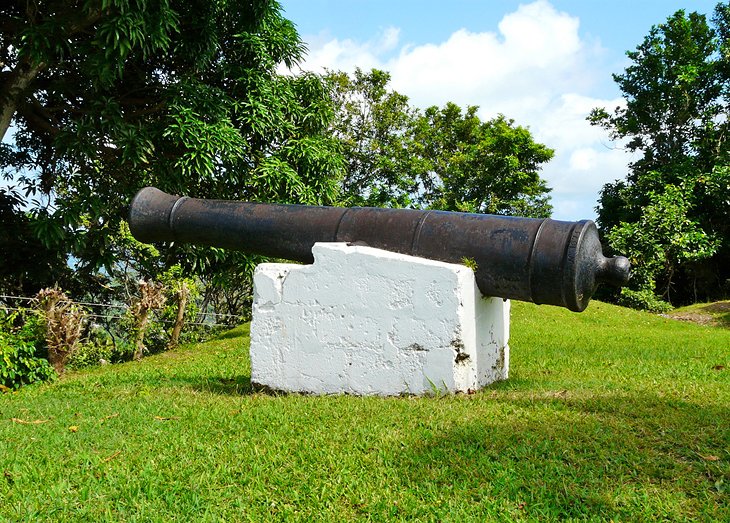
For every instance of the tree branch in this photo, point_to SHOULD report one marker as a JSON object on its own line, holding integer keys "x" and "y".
{"x": 90, "y": 19}
{"x": 14, "y": 86}
{"x": 38, "y": 118}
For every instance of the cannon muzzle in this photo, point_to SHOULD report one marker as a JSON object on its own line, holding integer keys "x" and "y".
{"x": 539, "y": 260}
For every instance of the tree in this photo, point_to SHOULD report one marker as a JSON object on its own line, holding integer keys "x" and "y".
{"x": 486, "y": 167}
{"x": 438, "y": 158}
{"x": 659, "y": 243}
{"x": 111, "y": 95}
{"x": 27, "y": 265}
{"x": 375, "y": 128}
{"x": 676, "y": 118}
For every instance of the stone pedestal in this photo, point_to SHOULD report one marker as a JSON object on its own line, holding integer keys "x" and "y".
{"x": 366, "y": 321}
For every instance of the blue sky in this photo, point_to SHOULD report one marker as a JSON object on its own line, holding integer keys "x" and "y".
{"x": 545, "y": 63}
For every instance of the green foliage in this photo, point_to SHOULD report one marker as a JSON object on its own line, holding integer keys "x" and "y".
{"x": 174, "y": 279}
{"x": 183, "y": 95}
{"x": 674, "y": 89}
{"x": 27, "y": 265}
{"x": 162, "y": 321}
{"x": 487, "y": 167}
{"x": 375, "y": 128}
{"x": 470, "y": 262}
{"x": 98, "y": 345}
{"x": 440, "y": 158}
{"x": 90, "y": 354}
{"x": 643, "y": 298}
{"x": 19, "y": 364}
{"x": 21, "y": 345}
{"x": 676, "y": 118}
{"x": 664, "y": 239}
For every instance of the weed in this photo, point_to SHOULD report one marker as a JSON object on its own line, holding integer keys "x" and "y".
{"x": 470, "y": 262}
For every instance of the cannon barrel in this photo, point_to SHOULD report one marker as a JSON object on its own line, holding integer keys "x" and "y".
{"x": 539, "y": 260}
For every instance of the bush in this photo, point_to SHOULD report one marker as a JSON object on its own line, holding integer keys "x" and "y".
{"x": 99, "y": 345}
{"x": 643, "y": 299}
{"x": 21, "y": 350}
{"x": 64, "y": 324}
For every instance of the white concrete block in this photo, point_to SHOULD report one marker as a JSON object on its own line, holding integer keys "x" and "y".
{"x": 366, "y": 321}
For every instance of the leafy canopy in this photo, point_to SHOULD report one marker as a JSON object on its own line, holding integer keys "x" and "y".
{"x": 676, "y": 117}
{"x": 109, "y": 96}
{"x": 663, "y": 239}
{"x": 438, "y": 158}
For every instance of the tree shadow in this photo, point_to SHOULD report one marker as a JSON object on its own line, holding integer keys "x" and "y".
{"x": 720, "y": 311}
{"x": 225, "y": 386}
{"x": 233, "y": 385}
{"x": 237, "y": 332}
{"x": 612, "y": 457}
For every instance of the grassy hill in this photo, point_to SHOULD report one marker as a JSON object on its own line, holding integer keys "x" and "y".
{"x": 608, "y": 414}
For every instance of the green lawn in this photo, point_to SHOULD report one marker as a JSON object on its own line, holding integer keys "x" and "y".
{"x": 608, "y": 414}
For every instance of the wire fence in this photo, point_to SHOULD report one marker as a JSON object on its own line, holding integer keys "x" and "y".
{"x": 122, "y": 308}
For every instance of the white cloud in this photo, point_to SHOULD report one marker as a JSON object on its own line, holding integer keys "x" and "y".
{"x": 578, "y": 175}
{"x": 534, "y": 68}
{"x": 584, "y": 159}
{"x": 539, "y": 35}
{"x": 346, "y": 55}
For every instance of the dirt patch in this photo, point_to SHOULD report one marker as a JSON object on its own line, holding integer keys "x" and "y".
{"x": 713, "y": 314}
{"x": 693, "y": 317}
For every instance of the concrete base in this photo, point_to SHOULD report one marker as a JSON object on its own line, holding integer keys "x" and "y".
{"x": 371, "y": 322}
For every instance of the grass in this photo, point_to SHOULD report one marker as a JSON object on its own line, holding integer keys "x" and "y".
{"x": 608, "y": 414}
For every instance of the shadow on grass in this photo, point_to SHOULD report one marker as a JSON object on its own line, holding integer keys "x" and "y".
{"x": 624, "y": 458}
{"x": 234, "y": 333}
{"x": 236, "y": 386}
{"x": 720, "y": 311}
{"x": 233, "y": 385}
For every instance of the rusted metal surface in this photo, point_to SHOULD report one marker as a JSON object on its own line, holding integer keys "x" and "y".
{"x": 538, "y": 260}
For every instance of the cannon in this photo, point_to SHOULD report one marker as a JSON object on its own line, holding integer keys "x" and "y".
{"x": 543, "y": 261}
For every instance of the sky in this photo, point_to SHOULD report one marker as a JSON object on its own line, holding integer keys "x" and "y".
{"x": 543, "y": 63}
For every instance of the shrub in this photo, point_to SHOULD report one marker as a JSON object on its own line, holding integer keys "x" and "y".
{"x": 99, "y": 345}
{"x": 64, "y": 321}
{"x": 181, "y": 308}
{"x": 643, "y": 299}
{"x": 151, "y": 298}
{"x": 21, "y": 348}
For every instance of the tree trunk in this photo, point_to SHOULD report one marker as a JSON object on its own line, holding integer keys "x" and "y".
{"x": 8, "y": 110}
{"x": 141, "y": 328}
{"x": 182, "y": 300}
{"x": 13, "y": 88}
